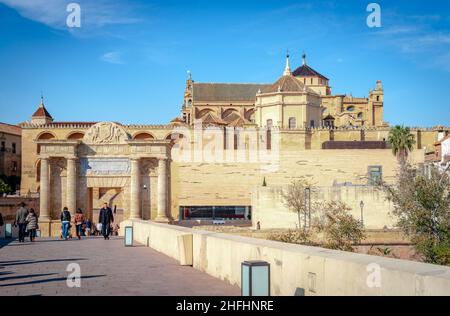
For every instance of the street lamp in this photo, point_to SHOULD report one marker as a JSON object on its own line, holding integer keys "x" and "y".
{"x": 362, "y": 213}
{"x": 308, "y": 196}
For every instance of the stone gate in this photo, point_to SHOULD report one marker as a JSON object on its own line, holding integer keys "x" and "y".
{"x": 106, "y": 157}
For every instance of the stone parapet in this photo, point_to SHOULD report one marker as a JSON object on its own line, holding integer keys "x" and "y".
{"x": 297, "y": 269}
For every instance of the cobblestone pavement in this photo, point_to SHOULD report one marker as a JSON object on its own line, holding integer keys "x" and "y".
{"x": 107, "y": 268}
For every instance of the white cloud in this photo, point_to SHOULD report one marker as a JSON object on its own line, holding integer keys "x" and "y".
{"x": 94, "y": 14}
{"x": 112, "y": 58}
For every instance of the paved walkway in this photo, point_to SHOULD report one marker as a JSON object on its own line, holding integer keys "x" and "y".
{"x": 107, "y": 268}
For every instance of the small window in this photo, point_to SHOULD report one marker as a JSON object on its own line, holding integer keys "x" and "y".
{"x": 14, "y": 166}
{"x": 311, "y": 80}
{"x": 312, "y": 124}
{"x": 378, "y": 98}
{"x": 351, "y": 108}
{"x": 292, "y": 123}
{"x": 13, "y": 148}
{"x": 360, "y": 115}
{"x": 269, "y": 124}
{"x": 3, "y": 148}
{"x": 375, "y": 175}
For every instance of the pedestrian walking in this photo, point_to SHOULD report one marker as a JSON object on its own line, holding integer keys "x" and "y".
{"x": 105, "y": 218}
{"x": 88, "y": 227}
{"x": 65, "y": 223}
{"x": 21, "y": 217}
{"x": 32, "y": 224}
{"x": 79, "y": 220}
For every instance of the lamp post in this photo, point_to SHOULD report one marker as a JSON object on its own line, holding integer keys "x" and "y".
{"x": 362, "y": 213}
{"x": 308, "y": 198}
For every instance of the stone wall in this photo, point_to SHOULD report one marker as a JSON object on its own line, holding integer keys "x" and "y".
{"x": 9, "y": 206}
{"x": 297, "y": 269}
{"x": 196, "y": 184}
{"x": 269, "y": 209}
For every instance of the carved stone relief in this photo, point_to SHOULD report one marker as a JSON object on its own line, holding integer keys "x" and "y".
{"x": 106, "y": 133}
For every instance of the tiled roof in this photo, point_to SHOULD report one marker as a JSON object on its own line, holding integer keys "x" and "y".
{"x": 306, "y": 71}
{"x": 287, "y": 84}
{"x": 240, "y": 122}
{"x": 212, "y": 119}
{"x": 10, "y": 129}
{"x": 227, "y": 92}
{"x": 41, "y": 112}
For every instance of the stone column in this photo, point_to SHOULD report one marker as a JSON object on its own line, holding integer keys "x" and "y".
{"x": 44, "y": 191}
{"x": 162, "y": 191}
{"x": 135, "y": 190}
{"x": 71, "y": 194}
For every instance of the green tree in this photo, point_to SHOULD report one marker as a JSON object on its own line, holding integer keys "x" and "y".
{"x": 4, "y": 187}
{"x": 340, "y": 230}
{"x": 402, "y": 142}
{"x": 421, "y": 202}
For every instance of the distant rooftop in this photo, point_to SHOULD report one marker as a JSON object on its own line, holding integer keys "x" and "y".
{"x": 10, "y": 129}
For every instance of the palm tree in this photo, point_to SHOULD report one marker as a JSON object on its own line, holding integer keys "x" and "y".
{"x": 402, "y": 142}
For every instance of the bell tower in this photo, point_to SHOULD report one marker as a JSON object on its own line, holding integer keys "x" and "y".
{"x": 41, "y": 116}
{"x": 188, "y": 99}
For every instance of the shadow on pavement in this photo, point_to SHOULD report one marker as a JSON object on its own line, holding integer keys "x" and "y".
{"x": 5, "y": 242}
{"x": 25, "y": 276}
{"x": 23, "y": 262}
{"x": 52, "y": 280}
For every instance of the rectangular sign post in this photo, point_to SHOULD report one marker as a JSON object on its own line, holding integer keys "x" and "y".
{"x": 8, "y": 230}
{"x": 255, "y": 278}
{"x": 128, "y": 237}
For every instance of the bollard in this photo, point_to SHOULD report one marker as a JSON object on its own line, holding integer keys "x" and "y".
{"x": 8, "y": 230}
{"x": 128, "y": 236}
{"x": 255, "y": 278}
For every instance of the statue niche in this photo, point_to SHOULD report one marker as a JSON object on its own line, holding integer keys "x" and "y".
{"x": 106, "y": 133}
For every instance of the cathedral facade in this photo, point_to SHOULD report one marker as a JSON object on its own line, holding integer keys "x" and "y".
{"x": 299, "y": 99}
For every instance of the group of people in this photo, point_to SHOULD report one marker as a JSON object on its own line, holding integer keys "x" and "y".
{"x": 27, "y": 221}
{"x": 84, "y": 227}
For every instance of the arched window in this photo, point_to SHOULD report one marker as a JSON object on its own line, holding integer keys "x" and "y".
{"x": 378, "y": 98}
{"x": 76, "y": 136}
{"x": 292, "y": 123}
{"x": 269, "y": 123}
{"x": 360, "y": 115}
{"x": 144, "y": 136}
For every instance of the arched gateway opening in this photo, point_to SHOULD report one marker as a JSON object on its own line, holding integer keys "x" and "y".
{"x": 106, "y": 165}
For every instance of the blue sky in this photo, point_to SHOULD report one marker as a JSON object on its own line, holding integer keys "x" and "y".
{"x": 128, "y": 61}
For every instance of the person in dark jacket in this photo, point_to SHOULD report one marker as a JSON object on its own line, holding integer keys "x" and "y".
{"x": 21, "y": 221}
{"x": 106, "y": 217}
{"x": 65, "y": 223}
